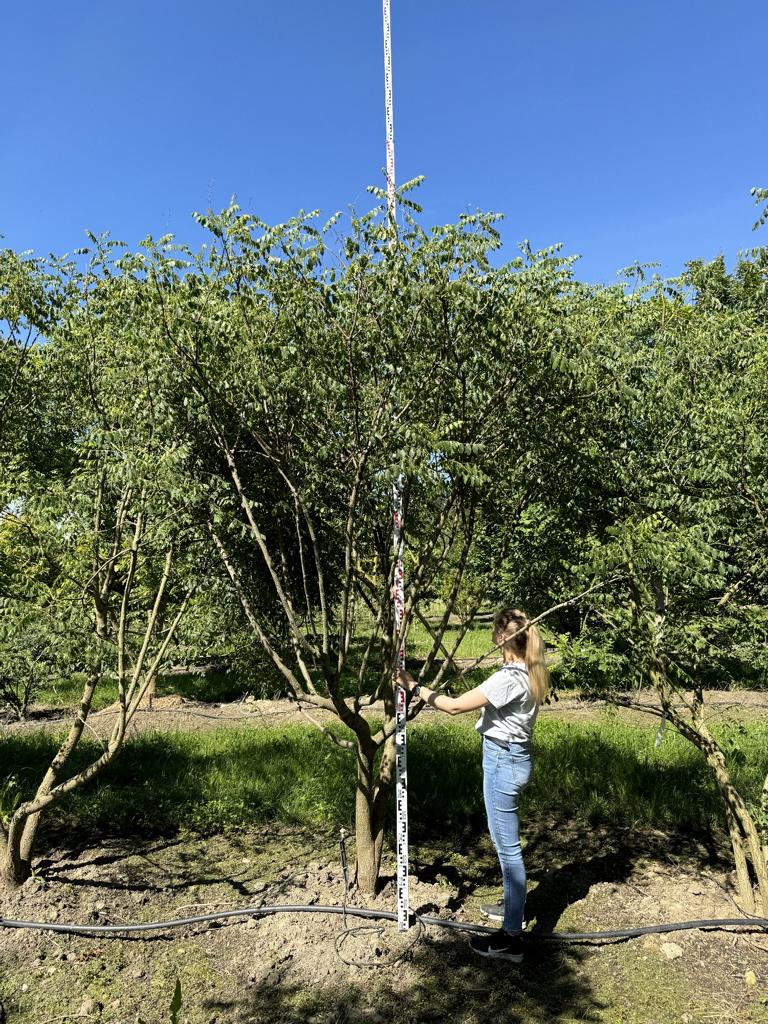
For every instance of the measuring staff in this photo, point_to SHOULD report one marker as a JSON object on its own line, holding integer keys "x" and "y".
{"x": 509, "y": 702}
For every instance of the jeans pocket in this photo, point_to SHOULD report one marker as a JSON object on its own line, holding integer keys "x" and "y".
{"x": 521, "y": 770}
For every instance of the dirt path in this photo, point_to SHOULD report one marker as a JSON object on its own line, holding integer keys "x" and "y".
{"x": 177, "y": 713}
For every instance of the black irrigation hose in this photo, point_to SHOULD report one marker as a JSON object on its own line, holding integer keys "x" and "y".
{"x": 615, "y": 933}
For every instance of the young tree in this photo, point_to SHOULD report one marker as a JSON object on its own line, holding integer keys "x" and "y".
{"x": 678, "y": 371}
{"x": 96, "y": 553}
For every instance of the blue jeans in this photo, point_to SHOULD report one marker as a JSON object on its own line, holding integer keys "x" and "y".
{"x": 506, "y": 773}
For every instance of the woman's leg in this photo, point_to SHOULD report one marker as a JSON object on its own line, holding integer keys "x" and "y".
{"x": 490, "y": 763}
{"x": 505, "y": 777}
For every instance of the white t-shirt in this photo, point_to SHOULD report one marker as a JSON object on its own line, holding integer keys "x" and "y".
{"x": 511, "y": 710}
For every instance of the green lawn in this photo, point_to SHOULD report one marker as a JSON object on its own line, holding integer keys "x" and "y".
{"x": 216, "y": 687}
{"x": 224, "y": 687}
{"x": 601, "y": 772}
{"x": 476, "y": 643}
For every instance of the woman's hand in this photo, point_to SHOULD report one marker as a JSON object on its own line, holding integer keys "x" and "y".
{"x": 405, "y": 679}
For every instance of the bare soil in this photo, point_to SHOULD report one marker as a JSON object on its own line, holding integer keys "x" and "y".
{"x": 291, "y": 967}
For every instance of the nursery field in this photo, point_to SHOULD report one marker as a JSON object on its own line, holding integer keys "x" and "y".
{"x": 229, "y": 814}
{"x": 262, "y": 469}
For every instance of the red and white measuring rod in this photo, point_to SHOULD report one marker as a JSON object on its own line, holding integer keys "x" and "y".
{"x": 401, "y": 752}
{"x": 390, "y": 115}
{"x": 401, "y": 749}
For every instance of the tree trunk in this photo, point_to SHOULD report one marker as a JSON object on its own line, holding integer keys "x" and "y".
{"x": 151, "y": 693}
{"x": 764, "y": 830}
{"x": 745, "y": 839}
{"x": 748, "y": 850}
{"x": 23, "y": 829}
{"x": 743, "y": 881}
{"x": 369, "y": 823}
{"x": 14, "y": 869}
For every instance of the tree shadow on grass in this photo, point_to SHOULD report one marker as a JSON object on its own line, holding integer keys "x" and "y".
{"x": 589, "y": 775}
{"x": 165, "y": 782}
{"x": 220, "y": 686}
{"x": 574, "y": 842}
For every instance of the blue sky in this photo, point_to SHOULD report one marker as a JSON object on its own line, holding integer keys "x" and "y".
{"x": 625, "y": 131}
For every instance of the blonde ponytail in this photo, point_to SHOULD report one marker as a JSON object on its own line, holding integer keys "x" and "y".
{"x": 524, "y": 642}
{"x": 536, "y": 663}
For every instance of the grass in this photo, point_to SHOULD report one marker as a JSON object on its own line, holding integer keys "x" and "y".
{"x": 67, "y": 693}
{"x": 211, "y": 688}
{"x": 606, "y": 772}
{"x": 475, "y": 644}
{"x": 225, "y": 687}
{"x": 227, "y": 779}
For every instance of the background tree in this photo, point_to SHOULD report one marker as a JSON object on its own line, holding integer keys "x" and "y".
{"x": 760, "y": 196}
{"x": 98, "y": 555}
{"x": 33, "y": 451}
{"x": 678, "y": 374}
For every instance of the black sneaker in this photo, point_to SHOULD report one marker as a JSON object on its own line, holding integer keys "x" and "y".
{"x": 499, "y": 945}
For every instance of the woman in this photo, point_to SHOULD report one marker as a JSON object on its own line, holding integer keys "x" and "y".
{"x": 509, "y": 701}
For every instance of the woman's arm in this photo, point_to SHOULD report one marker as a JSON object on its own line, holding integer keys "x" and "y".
{"x": 472, "y": 700}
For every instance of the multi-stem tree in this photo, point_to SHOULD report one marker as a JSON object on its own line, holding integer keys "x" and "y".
{"x": 678, "y": 373}
{"x": 93, "y": 546}
{"x": 309, "y": 370}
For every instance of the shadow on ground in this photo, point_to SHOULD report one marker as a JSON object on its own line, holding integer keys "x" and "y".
{"x": 567, "y": 858}
{"x": 447, "y": 982}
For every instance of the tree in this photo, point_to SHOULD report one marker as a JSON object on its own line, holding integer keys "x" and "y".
{"x": 33, "y": 295}
{"x": 98, "y": 555}
{"x": 678, "y": 371}
{"x": 308, "y": 372}
{"x": 760, "y": 196}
